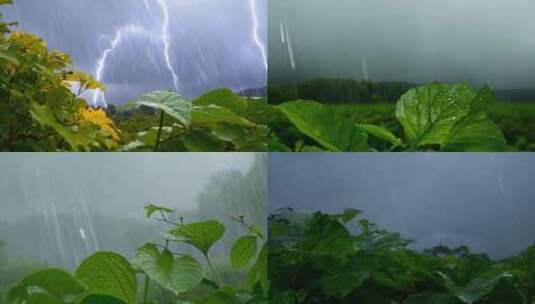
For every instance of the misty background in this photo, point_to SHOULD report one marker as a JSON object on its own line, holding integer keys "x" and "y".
{"x": 415, "y": 41}
{"x": 211, "y": 42}
{"x": 483, "y": 200}
{"x": 57, "y": 209}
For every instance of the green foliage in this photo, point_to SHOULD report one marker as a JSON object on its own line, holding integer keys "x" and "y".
{"x": 108, "y": 278}
{"x": 323, "y": 258}
{"x": 433, "y": 117}
{"x": 109, "y": 274}
{"x": 217, "y": 121}
{"x": 38, "y": 110}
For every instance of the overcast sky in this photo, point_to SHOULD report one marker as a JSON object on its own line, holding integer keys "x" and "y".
{"x": 412, "y": 40}
{"x": 211, "y": 41}
{"x": 108, "y": 183}
{"x": 485, "y": 201}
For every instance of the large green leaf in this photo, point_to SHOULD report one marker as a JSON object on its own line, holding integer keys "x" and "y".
{"x": 325, "y": 125}
{"x": 451, "y": 116}
{"x": 201, "y": 235}
{"x": 243, "y": 251}
{"x": 478, "y": 287}
{"x": 47, "y": 286}
{"x": 381, "y": 133}
{"x": 175, "y": 274}
{"x": 202, "y": 142}
{"x": 109, "y": 274}
{"x": 211, "y": 115}
{"x": 253, "y": 110}
{"x": 170, "y": 102}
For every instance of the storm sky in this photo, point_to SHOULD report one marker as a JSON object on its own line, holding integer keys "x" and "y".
{"x": 108, "y": 183}
{"x": 417, "y": 41}
{"x": 485, "y": 201}
{"x": 211, "y": 41}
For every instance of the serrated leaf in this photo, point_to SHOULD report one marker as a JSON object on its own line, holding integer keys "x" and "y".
{"x": 451, "y": 116}
{"x": 201, "y": 235}
{"x": 243, "y": 251}
{"x": 107, "y": 273}
{"x": 325, "y": 125}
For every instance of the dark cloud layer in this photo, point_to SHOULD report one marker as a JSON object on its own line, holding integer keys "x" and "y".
{"x": 212, "y": 41}
{"x": 481, "y": 200}
{"x": 414, "y": 40}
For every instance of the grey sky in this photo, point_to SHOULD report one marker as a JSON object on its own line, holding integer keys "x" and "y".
{"x": 413, "y": 40}
{"x": 211, "y": 41}
{"x": 108, "y": 183}
{"x": 485, "y": 201}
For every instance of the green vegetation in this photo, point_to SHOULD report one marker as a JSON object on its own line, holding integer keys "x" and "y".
{"x": 41, "y": 109}
{"x": 434, "y": 117}
{"x": 107, "y": 277}
{"x": 341, "y": 258}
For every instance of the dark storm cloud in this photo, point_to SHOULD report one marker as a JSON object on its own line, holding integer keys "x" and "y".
{"x": 212, "y": 41}
{"x": 414, "y": 40}
{"x": 485, "y": 201}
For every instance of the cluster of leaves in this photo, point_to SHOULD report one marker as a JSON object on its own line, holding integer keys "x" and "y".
{"x": 323, "y": 258}
{"x": 38, "y": 108}
{"x": 107, "y": 277}
{"x": 219, "y": 120}
{"x": 436, "y": 117}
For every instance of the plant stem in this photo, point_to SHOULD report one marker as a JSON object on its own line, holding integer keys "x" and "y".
{"x": 146, "y": 290}
{"x": 214, "y": 271}
{"x": 159, "y": 131}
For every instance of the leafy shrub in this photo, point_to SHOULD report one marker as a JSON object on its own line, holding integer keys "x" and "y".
{"x": 107, "y": 277}
{"x": 322, "y": 258}
{"x": 433, "y": 117}
{"x": 38, "y": 110}
{"x": 219, "y": 120}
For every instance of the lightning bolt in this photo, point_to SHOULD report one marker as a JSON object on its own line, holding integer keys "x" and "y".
{"x": 99, "y": 96}
{"x": 167, "y": 44}
{"x": 256, "y": 34}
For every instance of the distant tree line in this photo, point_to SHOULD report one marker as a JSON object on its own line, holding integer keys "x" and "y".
{"x": 358, "y": 91}
{"x": 339, "y": 91}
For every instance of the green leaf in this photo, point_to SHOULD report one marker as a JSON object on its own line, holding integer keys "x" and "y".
{"x": 250, "y": 109}
{"x": 48, "y": 286}
{"x": 258, "y": 274}
{"x": 6, "y": 55}
{"x": 243, "y": 251}
{"x": 451, "y": 116}
{"x": 381, "y": 133}
{"x": 431, "y": 298}
{"x": 151, "y": 209}
{"x": 170, "y": 102}
{"x": 342, "y": 284}
{"x": 109, "y": 274}
{"x": 211, "y": 115}
{"x": 100, "y": 299}
{"x": 44, "y": 115}
{"x": 325, "y": 125}
{"x": 478, "y": 287}
{"x": 222, "y": 296}
{"x": 201, "y": 235}
{"x": 202, "y": 142}
{"x": 175, "y": 274}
